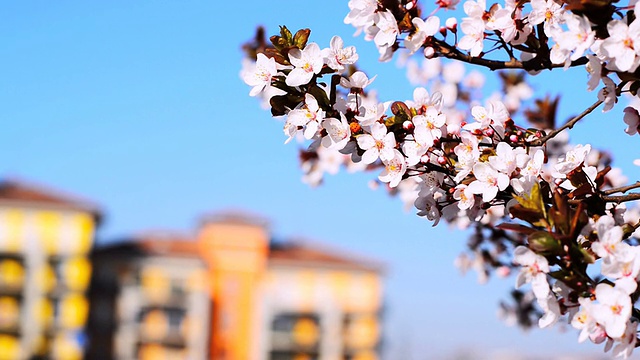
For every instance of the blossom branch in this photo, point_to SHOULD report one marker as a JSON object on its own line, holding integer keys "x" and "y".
{"x": 568, "y": 125}
{"x": 622, "y": 189}
{"x": 453, "y": 53}
{"x": 621, "y": 198}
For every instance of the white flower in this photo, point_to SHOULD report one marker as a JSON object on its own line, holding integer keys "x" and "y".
{"x": 551, "y": 310}
{"x": 259, "y": 76}
{"x": 337, "y": 56}
{"x": 379, "y": 143}
{"x": 388, "y": 29}
{"x": 609, "y": 244}
{"x": 613, "y": 309}
{"x": 427, "y": 126}
{"x": 357, "y": 80}
{"x": 370, "y": 110}
{"x": 473, "y": 39}
{"x": 547, "y": 11}
{"x": 422, "y": 99}
{"x": 572, "y": 159}
{"x": 594, "y": 68}
{"x": 627, "y": 342}
{"x": 534, "y": 270}
{"x": 338, "y": 132}
{"x": 424, "y": 29}
{"x": 632, "y": 119}
{"x": 495, "y": 113}
{"x": 465, "y": 197}
{"x": 507, "y": 159}
{"x": 394, "y": 169}
{"x": 621, "y": 45}
{"x": 608, "y": 94}
{"x": 362, "y": 12}
{"x": 488, "y": 181}
{"x": 307, "y": 62}
{"x": 584, "y": 321}
{"x": 308, "y": 117}
{"x": 572, "y": 44}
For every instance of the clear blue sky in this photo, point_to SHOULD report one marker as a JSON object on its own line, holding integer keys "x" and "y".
{"x": 139, "y": 107}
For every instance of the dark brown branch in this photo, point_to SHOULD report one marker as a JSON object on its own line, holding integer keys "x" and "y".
{"x": 622, "y": 189}
{"x": 451, "y": 52}
{"x": 568, "y": 125}
{"x": 621, "y": 198}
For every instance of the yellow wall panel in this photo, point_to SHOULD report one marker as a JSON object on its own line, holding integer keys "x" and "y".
{"x": 87, "y": 227}
{"x": 48, "y": 226}
{"x": 14, "y": 221}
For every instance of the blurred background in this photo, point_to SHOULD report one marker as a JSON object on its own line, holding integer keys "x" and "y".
{"x": 150, "y": 209}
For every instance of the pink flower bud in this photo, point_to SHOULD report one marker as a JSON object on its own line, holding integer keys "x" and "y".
{"x": 503, "y": 271}
{"x": 442, "y": 160}
{"x": 452, "y": 24}
{"x": 429, "y": 52}
{"x": 513, "y": 138}
{"x": 408, "y": 125}
{"x": 489, "y": 132}
{"x": 424, "y": 159}
{"x": 443, "y": 31}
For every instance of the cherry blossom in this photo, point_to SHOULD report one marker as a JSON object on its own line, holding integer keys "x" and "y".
{"x": 378, "y": 144}
{"x": 307, "y": 62}
{"x": 559, "y": 214}
{"x": 393, "y": 169}
{"x": 337, "y": 56}
{"x": 260, "y": 75}
{"x": 534, "y": 268}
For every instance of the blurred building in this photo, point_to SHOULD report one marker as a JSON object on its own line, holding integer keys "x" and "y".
{"x": 231, "y": 293}
{"x": 45, "y": 241}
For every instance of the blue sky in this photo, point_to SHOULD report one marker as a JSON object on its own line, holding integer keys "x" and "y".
{"x": 139, "y": 107}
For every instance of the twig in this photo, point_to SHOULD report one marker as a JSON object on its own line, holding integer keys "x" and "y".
{"x": 450, "y": 52}
{"x": 621, "y": 198}
{"x": 568, "y": 125}
{"x": 622, "y": 189}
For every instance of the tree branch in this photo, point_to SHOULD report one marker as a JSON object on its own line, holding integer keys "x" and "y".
{"x": 622, "y": 189}
{"x": 451, "y": 52}
{"x": 621, "y": 198}
{"x": 568, "y": 125}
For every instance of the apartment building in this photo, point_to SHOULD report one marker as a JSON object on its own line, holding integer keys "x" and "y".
{"x": 45, "y": 240}
{"x": 229, "y": 292}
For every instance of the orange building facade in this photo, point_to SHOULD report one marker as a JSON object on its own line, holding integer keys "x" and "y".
{"x": 230, "y": 293}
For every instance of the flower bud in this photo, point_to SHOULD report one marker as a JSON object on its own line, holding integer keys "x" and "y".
{"x": 489, "y": 132}
{"x": 443, "y": 31}
{"x": 442, "y": 160}
{"x": 503, "y": 271}
{"x": 408, "y": 125}
{"x": 424, "y": 159}
{"x": 429, "y": 52}
{"x": 513, "y": 138}
{"x": 452, "y": 24}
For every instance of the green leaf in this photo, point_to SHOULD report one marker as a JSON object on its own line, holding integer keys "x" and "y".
{"x": 543, "y": 242}
{"x": 301, "y": 37}
{"x": 286, "y": 35}
{"x": 516, "y": 227}
{"x": 533, "y": 200}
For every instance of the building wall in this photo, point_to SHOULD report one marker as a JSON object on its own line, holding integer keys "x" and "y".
{"x": 319, "y": 312}
{"x": 44, "y": 271}
{"x": 163, "y": 310}
{"x": 236, "y": 255}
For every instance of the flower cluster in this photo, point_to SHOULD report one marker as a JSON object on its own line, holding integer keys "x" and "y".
{"x": 553, "y": 211}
